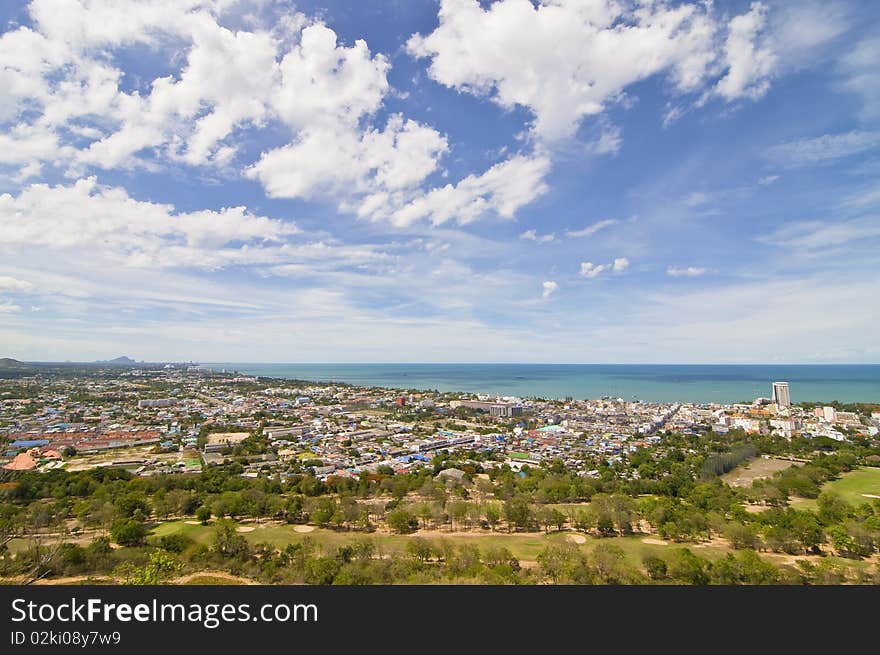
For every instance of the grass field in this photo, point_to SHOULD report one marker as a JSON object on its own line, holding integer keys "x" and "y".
{"x": 523, "y": 546}
{"x": 851, "y": 486}
{"x": 754, "y": 469}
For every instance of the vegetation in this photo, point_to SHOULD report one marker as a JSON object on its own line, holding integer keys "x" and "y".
{"x": 660, "y": 516}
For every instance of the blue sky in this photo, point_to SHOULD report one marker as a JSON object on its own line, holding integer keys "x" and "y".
{"x": 418, "y": 181}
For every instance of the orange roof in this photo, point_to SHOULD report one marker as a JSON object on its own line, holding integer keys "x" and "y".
{"x": 22, "y": 462}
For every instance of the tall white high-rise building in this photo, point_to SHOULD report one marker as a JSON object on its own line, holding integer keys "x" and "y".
{"x": 781, "y": 395}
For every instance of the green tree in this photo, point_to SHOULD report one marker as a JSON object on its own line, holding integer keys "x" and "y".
{"x": 402, "y": 521}
{"x": 203, "y": 514}
{"x": 128, "y": 532}
{"x": 160, "y": 568}
{"x": 228, "y": 543}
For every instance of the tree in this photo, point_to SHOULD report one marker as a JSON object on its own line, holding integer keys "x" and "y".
{"x": 128, "y": 532}
{"x": 401, "y": 521}
{"x": 419, "y": 548}
{"x": 687, "y": 567}
{"x": 517, "y": 513}
{"x": 203, "y": 514}
{"x": 228, "y": 542}
{"x": 493, "y": 514}
{"x": 742, "y": 536}
{"x": 832, "y": 508}
{"x": 158, "y": 570}
{"x": 655, "y": 566}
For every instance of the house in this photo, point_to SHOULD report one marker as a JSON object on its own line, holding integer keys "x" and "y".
{"x": 453, "y": 475}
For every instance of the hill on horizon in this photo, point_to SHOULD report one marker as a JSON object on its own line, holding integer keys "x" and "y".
{"x": 119, "y": 360}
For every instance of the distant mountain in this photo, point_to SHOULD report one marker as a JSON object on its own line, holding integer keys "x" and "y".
{"x": 8, "y": 362}
{"x": 125, "y": 361}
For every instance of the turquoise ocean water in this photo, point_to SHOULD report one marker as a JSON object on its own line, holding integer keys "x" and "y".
{"x": 649, "y": 382}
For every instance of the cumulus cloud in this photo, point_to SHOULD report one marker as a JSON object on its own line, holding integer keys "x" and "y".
{"x": 564, "y": 60}
{"x": 532, "y": 235}
{"x": 749, "y": 62}
{"x": 690, "y": 271}
{"x": 342, "y": 158}
{"x": 501, "y": 190}
{"x": 86, "y": 216}
{"x": 591, "y": 270}
{"x": 68, "y": 104}
{"x": 8, "y": 283}
{"x": 550, "y": 288}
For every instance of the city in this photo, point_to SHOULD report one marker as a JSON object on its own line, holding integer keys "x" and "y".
{"x": 180, "y": 419}
{"x": 181, "y": 473}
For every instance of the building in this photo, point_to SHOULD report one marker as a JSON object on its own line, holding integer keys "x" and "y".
{"x": 505, "y": 410}
{"x": 781, "y": 395}
{"x": 158, "y": 402}
{"x": 219, "y": 441}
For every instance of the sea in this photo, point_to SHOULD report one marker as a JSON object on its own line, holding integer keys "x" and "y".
{"x": 706, "y": 383}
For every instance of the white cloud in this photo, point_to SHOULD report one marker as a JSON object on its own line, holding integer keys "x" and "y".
{"x": 550, "y": 288}
{"x": 501, "y": 190}
{"x": 690, "y": 271}
{"x": 64, "y": 80}
{"x": 768, "y": 180}
{"x": 88, "y": 217}
{"x": 817, "y": 236}
{"x": 590, "y": 230}
{"x": 564, "y": 59}
{"x": 7, "y": 307}
{"x": 326, "y": 82}
{"x": 591, "y": 270}
{"x": 609, "y": 141}
{"x": 9, "y": 283}
{"x": 532, "y": 235}
{"x": 861, "y": 75}
{"x": 749, "y": 61}
{"x": 697, "y": 198}
{"x": 340, "y": 158}
{"x": 823, "y": 149}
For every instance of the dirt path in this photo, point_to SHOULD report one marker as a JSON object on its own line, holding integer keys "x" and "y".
{"x": 214, "y": 574}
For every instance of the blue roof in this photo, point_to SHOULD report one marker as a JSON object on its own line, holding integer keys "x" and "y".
{"x": 29, "y": 443}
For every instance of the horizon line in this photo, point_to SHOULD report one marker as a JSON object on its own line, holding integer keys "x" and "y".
{"x": 456, "y": 363}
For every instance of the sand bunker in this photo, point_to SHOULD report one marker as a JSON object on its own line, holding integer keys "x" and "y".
{"x": 871, "y": 496}
{"x": 577, "y": 538}
{"x": 193, "y": 522}
{"x": 656, "y": 542}
{"x": 303, "y": 528}
{"x": 244, "y": 528}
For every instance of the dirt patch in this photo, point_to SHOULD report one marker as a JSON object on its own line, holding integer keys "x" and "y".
{"x": 656, "y": 542}
{"x": 222, "y": 575}
{"x": 193, "y": 522}
{"x": 717, "y": 542}
{"x": 243, "y": 528}
{"x": 577, "y": 538}
{"x": 754, "y": 509}
{"x": 74, "y": 580}
{"x": 302, "y": 528}
{"x": 755, "y": 469}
